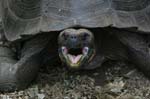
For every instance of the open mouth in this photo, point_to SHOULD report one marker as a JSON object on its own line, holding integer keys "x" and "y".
{"x": 74, "y": 56}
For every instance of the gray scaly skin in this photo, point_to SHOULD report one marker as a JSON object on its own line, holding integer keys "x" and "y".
{"x": 100, "y": 46}
{"x": 108, "y": 44}
{"x": 138, "y": 48}
{"x": 83, "y": 49}
{"x": 6, "y": 62}
{"x": 17, "y": 73}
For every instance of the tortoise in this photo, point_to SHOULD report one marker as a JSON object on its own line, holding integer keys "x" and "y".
{"x": 84, "y": 34}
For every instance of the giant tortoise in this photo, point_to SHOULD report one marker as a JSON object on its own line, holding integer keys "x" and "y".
{"x": 83, "y": 33}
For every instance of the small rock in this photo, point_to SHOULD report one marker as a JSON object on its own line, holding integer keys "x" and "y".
{"x": 66, "y": 97}
{"x": 42, "y": 91}
{"x": 96, "y": 74}
{"x": 19, "y": 98}
{"x": 5, "y": 97}
{"x": 115, "y": 88}
{"x": 33, "y": 92}
{"x": 26, "y": 97}
{"x": 20, "y": 93}
{"x": 41, "y": 96}
{"x": 129, "y": 74}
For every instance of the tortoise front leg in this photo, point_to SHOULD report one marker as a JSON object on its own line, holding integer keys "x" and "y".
{"x": 7, "y": 61}
{"x": 18, "y": 74}
{"x": 138, "y": 50}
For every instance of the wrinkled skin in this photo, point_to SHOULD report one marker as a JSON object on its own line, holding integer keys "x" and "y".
{"x": 90, "y": 51}
{"x": 18, "y": 68}
{"x": 77, "y": 49}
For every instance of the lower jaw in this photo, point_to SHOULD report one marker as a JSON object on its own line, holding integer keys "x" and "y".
{"x": 74, "y": 66}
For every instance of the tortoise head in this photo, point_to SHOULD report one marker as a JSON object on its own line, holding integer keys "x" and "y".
{"x": 76, "y": 47}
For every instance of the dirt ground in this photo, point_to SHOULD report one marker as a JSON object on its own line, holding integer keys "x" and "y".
{"x": 114, "y": 80}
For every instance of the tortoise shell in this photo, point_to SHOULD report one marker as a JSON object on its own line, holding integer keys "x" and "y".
{"x": 29, "y": 17}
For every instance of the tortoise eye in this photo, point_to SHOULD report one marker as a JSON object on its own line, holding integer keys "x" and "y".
{"x": 85, "y": 50}
{"x": 65, "y": 36}
{"x": 64, "y": 50}
{"x": 84, "y": 37}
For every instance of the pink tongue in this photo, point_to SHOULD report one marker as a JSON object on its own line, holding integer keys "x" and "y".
{"x": 74, "y": 59}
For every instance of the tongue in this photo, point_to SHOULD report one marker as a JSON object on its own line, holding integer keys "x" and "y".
{"x": 74, "y": 59}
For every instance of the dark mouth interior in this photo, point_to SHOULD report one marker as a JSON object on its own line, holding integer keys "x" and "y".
{"x": 75, "y": 51}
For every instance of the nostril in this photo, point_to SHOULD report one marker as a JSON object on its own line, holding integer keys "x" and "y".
{"x": 74, "y": 38}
